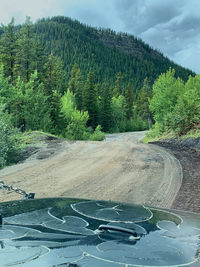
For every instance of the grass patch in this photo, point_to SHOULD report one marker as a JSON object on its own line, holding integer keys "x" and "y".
{"x": 153, "y": 135}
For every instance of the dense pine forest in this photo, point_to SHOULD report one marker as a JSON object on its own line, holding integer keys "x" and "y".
{"x": 68, "y": 79}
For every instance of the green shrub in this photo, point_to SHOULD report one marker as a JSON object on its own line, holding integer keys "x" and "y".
{"x": 10, "y": 141}
{"x": 98, "y": 135}
{"x": 137, "y": 124}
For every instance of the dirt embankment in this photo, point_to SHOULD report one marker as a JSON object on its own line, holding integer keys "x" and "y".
{"x": 119, "y": 168}
{"x": 188, "y": 153}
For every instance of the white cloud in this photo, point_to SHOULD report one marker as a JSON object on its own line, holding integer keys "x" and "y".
{"x": 35, "y": 9}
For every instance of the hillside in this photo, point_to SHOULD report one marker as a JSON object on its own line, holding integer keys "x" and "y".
{"x": 105, "y": 51}
{"x": 66, "y": 78}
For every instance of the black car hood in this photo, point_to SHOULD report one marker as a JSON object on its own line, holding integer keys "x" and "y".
{"x": 74, "y": 232}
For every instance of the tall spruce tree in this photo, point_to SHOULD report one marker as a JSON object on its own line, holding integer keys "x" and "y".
{"x": 142, "y": 102}
{"x": 90, "y": 99}
{"x": 129, "y": 101}
{"x": 118, "y": 89}
{"x": 76, "y": 85}
{"x": 36, "y": 111}
{"x": 26, "y": 51}
{"x": 54, "y": 87}
{"x": 105, "y": 108}
{"x": 54, "y": 75}
{"x": 8, "y": 44}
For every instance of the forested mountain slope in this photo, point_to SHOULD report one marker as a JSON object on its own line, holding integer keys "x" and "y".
{"x": 60, "y": 76}
{"x": 104, "y": 51}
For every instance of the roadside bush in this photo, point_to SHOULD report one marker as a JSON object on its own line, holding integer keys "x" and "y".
{"x": 10, "y": 141}
{"x": 98, "y": 135}
{"x": 77, "y": 127}
{"x": 186, "y": 114}
{"x": 137, "y": 124}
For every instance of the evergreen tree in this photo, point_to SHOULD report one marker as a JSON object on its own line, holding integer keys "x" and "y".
{"x": 41, "y": 58}
{"x": 10, "y": 140}
{"x": 54, "y": 87}
{"x": 119, "y": 110}
{"x": 36, "y": 111}
{"x": 118, "y": 89}
{"x": 53, "y": 75}
{"x": 76, "y": 85}
{"x": 26, "y": 51}
{"x": 105, "y": 108}
{"x": 90, "y": 99}
{"x": 142, "y": 102}
{"x": 18, "y": 105}
{"x": 8, "y": 49}
{"x": 6, "y": 90}
{"x": 129, "y": 101}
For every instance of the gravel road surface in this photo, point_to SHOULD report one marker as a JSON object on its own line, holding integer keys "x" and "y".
{"x": 120, "y": 168}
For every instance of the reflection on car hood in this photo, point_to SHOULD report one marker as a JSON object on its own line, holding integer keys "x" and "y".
{"x": 74, "y": 232}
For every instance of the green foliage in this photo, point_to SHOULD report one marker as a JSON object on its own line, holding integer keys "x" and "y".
{"x": 118, "y": 89}
{"x": 105, "y": 108}
{"x": 10, "y": 141}
{"x": 68, "y": 105}
{"x": 53, "y": 76}
{"x": 90, "y": 99}
{"x": 77, "y": 127}
{"x": 166, "y": 90}
{"x": 104, "y": 73}
{"x": 142, "y": 102}
{"x": 175, "y": 105}
{"x": 75, "y": 120}
{"x": 129, "y": 101}
{"x": 119, "y": 111}
{"x": 136, "y": 124}
{"x": 36, "y": 109}
{"x": 25, "y": 61}
{"x": 104, "y": 51}
{"x": 8, "y": 48}
{"x": 98, "y": 135}
{"x": 76, "y": 86}
{"x": 6, "y": 90}
{"x": 186, "y": 114}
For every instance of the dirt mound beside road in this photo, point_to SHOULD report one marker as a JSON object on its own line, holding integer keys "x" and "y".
{"x": 188, "y": 197}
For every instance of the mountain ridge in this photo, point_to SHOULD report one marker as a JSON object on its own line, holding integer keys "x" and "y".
{"x": 104, "y": 51}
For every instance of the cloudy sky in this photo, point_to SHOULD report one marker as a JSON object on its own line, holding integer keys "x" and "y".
{"x": 171, "y": 26}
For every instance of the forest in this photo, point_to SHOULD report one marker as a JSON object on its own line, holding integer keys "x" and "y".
{"x": 78, "y": 82}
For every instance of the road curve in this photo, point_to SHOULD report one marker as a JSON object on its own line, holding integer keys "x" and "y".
{"x": 120, "y": 168}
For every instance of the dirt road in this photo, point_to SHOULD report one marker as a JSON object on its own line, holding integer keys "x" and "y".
{"x": 119, "y": 168}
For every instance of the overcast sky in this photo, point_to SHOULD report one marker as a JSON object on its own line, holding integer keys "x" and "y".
{"x": 171, "y": 26}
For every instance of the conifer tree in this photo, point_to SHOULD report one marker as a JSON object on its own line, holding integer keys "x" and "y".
{"x": 36, "y": 111}
{"x": 90, "y": 99}
{"x": 142, "y": 103}
{"x": 129, "y": 101}
{"x": 76, "y": 85}
{"x": 6, "y": 89}
{"x": 118, "y": 89}
{"x": 53, "y": 75}
{"x": 18, "y": 105}
{"x": 54, "y": 87}
{"x": 26, "y": 51}
{"x": 105, "y": 108}
{"x": 8, "y": 49}
{"x": 41, "y": 58}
